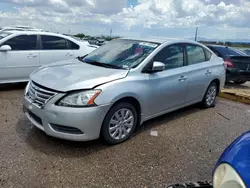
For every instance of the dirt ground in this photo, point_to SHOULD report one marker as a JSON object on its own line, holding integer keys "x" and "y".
{"x": 187, "y": 146}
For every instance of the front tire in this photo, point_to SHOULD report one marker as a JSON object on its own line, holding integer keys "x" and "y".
{"x": 119, "y": 123}
{"x": 209, "y": 98}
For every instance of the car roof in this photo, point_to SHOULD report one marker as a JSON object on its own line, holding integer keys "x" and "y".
{"x": 217, "y": 45}
{"x": 34, "y": 32}
{"x": 40, "y": 33}
{"x": 160, "y": 40}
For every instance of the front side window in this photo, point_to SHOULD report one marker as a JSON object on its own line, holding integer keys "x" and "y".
{"x": 195, "y": 54}
{"x": 172, "y": 56}
{"x": 121, "y": 53}
{"x": 53, "y": 43}
{"x": 23, "y": 42}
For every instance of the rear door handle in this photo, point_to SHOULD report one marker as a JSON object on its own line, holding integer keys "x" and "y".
{"x": 32, "y": 56}
{"x": 69, "y": 54}
{"x": 182, "y": 78}
{"x": 208, "y": 72}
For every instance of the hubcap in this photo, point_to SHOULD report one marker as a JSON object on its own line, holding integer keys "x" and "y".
{"x": 211, "y": 95}
{"x": 121, "y": 124}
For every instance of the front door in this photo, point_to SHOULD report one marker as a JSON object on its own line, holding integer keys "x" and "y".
{"x": 23, "y": 58}
{"x": 169, "y": 87}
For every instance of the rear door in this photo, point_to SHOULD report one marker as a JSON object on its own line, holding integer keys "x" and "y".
{"x": 199, "y": 70}
{"x": 74, "y": 49}
{"x": 53, "y": 49}
{"x": 168, "y": 88}
{"x": 21, "y": 60}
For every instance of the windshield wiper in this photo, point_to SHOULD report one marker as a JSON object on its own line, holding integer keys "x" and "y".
{"x": 104, "y": 65}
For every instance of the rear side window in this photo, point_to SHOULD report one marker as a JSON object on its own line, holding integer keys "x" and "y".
{"x": 23, "y": 42}
{"x": 72, "y": 45}
{"x": 53, "y": 43}
{"x": 195, "y": 54}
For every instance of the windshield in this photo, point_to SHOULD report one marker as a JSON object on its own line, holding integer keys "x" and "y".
{"x": 4, "y": 34}
{"x": 122, "y": 53}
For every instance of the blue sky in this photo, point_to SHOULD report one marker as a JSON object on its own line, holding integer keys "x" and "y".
{"x": 216, "y": 19}
{"x": 132, "y": 3}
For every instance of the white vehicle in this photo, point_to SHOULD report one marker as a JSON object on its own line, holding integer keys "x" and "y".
{"x": 21, "y": 52}
{"x": 19, "y": 28}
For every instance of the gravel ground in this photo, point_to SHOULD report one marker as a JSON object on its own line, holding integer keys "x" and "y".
{"x": 188, "y": 144}
{"x": 243, "y": 88}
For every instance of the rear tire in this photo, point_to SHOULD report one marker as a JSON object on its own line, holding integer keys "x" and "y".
{"x": 240, "y": 82}
{"x": 119, "y": 123}
{"x": 209, "y": 98}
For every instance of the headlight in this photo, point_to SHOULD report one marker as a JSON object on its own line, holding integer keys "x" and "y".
{"x": 26, "y": 88}
{"x": 79, "y": 99}
{"x": 226, "y": 177}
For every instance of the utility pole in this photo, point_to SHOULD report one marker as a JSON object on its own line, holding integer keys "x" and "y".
{"x": 110, "y": 33}
{"x": 196, "y": 32}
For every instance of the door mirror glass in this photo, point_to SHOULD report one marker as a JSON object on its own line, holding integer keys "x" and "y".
{"x": 158, "y": 66}
{"x": 5, "y": 48}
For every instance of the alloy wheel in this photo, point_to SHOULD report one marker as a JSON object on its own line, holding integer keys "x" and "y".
{"x": 121, "y": 123}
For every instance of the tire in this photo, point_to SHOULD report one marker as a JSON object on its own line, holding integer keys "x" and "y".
{"x": 240, "y": 82}
{"x": 120, "y": 129}
{"x": 206, "y": 102}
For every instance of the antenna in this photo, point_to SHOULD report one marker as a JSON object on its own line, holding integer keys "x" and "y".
{"x": 110, "y": 32}
{"x": 196, "y": 32}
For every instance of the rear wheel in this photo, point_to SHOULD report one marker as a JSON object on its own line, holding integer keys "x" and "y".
{"x": 209, "y": 98}
{"x": 119, "y": 123}
{"x": 240, "y": 81}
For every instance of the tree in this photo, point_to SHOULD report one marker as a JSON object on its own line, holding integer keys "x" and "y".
{"x": 80, "y": 35}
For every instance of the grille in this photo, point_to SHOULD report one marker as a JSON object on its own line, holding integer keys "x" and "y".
{"x": 38, "y": 94}
{"x": 65, "y": 129}
{"x": 35, "y": 117}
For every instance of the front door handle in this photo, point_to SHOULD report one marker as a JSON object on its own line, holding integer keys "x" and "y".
{"x": 208, "y": 72}
{"x": 182, "y": 78}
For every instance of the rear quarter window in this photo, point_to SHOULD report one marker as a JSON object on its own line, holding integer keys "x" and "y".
{"x": 73, "y": 46}
{"x": 207, "y": 54}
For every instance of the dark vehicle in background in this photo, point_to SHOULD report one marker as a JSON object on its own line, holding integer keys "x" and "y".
{"x": 237, "y": 63}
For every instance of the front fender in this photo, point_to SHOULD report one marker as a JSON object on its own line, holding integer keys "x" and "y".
{"x": 237, "y": 155}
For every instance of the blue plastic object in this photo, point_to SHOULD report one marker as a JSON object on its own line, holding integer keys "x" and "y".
{"x": 238, "y": 156}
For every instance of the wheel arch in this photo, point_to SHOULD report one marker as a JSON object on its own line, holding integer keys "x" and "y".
{"x": 217, "y": 82}
{"x": 132, "y": 100}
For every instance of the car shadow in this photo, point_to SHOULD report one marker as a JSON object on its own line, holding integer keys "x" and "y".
{"x": 166, "y": 118}
{"x": 236, "y": 86}
{"x": 38, "y": 140}
{"x": 14, "y": 86}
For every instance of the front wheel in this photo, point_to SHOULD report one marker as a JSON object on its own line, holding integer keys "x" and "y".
{"x": 210, "y": 96}
{"x": 119, "y": 123}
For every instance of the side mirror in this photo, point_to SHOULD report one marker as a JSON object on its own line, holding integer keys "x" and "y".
{"x": 158, "y": 66}
{"x": 5, "y": 48}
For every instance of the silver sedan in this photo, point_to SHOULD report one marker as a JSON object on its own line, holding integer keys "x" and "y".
{"x": 119, "y": 86}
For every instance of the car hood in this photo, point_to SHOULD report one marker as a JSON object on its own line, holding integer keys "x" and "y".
{"x": 74, "y": 75}
{"x": 238, "y": 156}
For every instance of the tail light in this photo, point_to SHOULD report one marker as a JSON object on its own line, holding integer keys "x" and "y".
{"x": 228, "y": 63}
